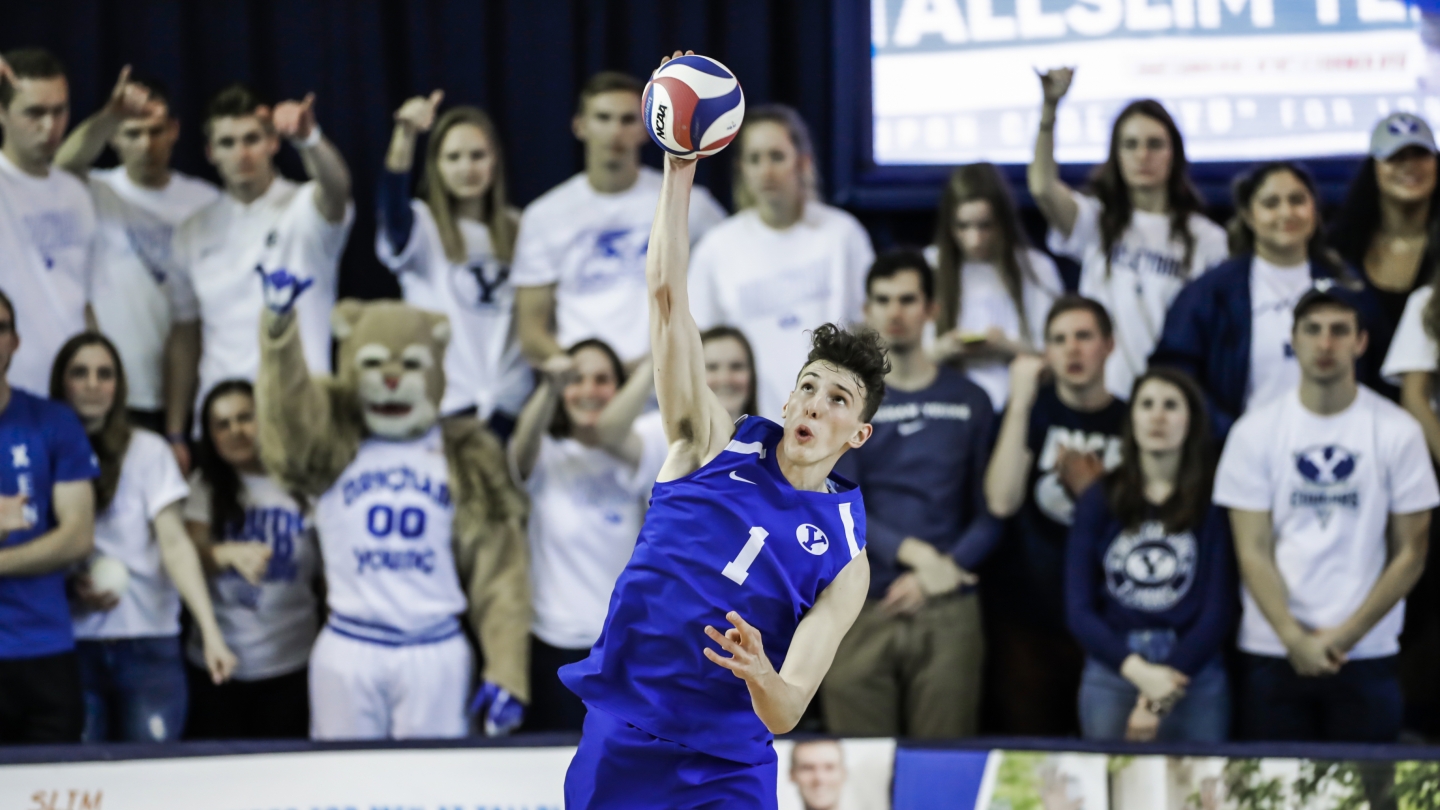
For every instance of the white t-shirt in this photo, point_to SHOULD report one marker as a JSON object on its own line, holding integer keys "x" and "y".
{"x": 592, "y": 247}
{"x": 216, "y": 252}
{"x": 985, "y": 303}
{"x": 1274, "y": 292}
{"x": 130, "y": 296}
{"x": 47, "y": 236}
{"x": 483, "y": 367}
{"x": 385, "y": 537}
{"x": 271, "y": 626}
{"x": 1145, "y": 274}
{"x": 1330, "y": 484}
{"x": 585, "y": 513}
{"x": 1412, "y": 349}
{"x": 775, "y": 285}
{"x": 150, "y": 480}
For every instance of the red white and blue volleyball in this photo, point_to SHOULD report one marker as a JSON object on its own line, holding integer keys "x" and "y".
{"x": 693, "y": 106}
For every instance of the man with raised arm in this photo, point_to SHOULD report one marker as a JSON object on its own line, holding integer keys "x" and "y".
{"x": 747, "y": 524}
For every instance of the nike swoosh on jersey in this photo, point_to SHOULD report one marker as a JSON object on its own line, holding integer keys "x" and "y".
{"x": 737, "y": 477}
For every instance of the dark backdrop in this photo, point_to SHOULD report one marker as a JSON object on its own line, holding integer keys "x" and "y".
{"x": 522, "y": 60}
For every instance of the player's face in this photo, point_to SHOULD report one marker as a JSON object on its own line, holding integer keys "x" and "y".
{"x": 242, "y": 150}
{"x": 1408, "y": 176}
{"x": 897, "y": 308}
{"x": 592, "y": 389}
{"x": 1327, "y": 342}
{"x": 728, "y": 373}
{"x": 975, "y": 230}
{"x": 36, "y": 119}
{"x": 1145, "y": 152}
{"x": 144, "y": 144}
{"x": 467, "y": 162}
{"x": 611, "y": 128}
{"x": 770, "y": 166}
{"x": 9, "y": 338}
{"x": 818, "y": 770}
{"x": 1282, "y": 213}
{"x": 1160, "y": 416}
{"x": 233, "y": 429}
{"x": 90, "y": 380}
{"x": 822, "y": 414}
{"x": 1076, "y": 350}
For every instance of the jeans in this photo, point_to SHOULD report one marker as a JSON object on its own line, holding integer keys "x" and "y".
{"x": 134, "y": 688}
{"x": 1360, "y": 703}
{"x": 1106, "y": 698}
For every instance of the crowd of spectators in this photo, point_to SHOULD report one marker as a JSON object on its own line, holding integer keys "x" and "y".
{"x": 1185, "y": 500}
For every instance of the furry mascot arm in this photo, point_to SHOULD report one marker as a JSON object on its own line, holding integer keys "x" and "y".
{"x": 492, "y": 555}
{"x": 298, "y": 441}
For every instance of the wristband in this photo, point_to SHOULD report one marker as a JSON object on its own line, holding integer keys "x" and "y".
{"x": 309, "y": 141}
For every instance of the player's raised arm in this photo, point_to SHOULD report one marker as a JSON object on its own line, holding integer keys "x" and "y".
{"x": 696, "y": 424}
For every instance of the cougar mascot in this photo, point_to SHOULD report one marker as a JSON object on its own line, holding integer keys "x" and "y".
{"x": 414, "y": 516}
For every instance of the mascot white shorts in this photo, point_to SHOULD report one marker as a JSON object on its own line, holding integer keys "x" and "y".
{"x": 363, "y": 690}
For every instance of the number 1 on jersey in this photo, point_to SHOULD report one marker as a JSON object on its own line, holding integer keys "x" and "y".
{"x": 739, "y": 568}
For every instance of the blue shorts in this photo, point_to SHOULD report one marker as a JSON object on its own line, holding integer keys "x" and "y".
{"x": 620, "y": 766}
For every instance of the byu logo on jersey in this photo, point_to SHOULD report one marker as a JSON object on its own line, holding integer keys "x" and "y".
{"x": 1150, "y": 569}
{"x": 1326, "y": 470}
{"x": 812, "y": 539}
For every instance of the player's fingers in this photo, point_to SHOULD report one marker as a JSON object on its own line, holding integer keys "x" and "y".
{"x": 720, "y": 660}
{"x": 747, "y": 632}
{"x": 726, "y": 644}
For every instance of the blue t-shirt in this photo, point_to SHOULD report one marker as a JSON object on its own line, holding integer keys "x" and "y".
{"x": 1118, "y": 581}
{"x": 41, "y": 444}
{"x": 923, "y": 475}
{"x": 1025, "y": 576}
{"x": 733, "y": 535}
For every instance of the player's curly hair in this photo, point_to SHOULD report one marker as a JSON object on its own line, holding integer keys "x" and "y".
{"x": 861, "y": 353}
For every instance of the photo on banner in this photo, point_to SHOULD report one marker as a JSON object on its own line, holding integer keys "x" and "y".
{"x": 827, "y": 774}
{"x": 1245, "y": 79}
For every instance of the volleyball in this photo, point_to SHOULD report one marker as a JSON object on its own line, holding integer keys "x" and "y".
{"x": 109, "y": 574}
{"x": 693, "y": 106}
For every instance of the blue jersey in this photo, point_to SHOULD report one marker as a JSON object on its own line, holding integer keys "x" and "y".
{"x": 41, "y": 444}
{"x": 733, "y": 535}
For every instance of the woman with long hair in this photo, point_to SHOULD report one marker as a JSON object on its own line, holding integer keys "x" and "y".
{"x": 992, "y": 289}
{"x": 1389, "y": 228}
{"x": 451, "y": 248}
{"x": 588, "y": 468}
{"x": 1150, "y": 580}
{"x": 127, "y": 601}
{"x": 785, "y": 262}
{"x": 259, "y": 550}
{"x": 729, "y": 369}
{"x": 1138, "y": 231}
{"x": 1230, "y": 328}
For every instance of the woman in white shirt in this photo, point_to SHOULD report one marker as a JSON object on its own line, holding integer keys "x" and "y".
{"x": 259, "y": 549}
{"x": 992, "y": 288}
{"x": 451, "y": 249}
{"x": 127, "y": 624}
{"x": 786, "y": 262}
{"x": 587, "y": 467}
{"x": 1138, "y": 232}
{"x": 729, "y": 371}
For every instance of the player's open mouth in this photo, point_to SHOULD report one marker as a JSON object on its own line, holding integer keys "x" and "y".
{"x": 803, "y": 434}
{"x": 391, "y": 409}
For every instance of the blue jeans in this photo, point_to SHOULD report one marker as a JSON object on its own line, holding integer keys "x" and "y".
{"x": 1360, "y": 703}
{"x": 135, "y": 689}
{"x": 1106, "y": 698}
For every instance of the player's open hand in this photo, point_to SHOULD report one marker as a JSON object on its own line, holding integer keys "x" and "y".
{"x": 747, "y": 659}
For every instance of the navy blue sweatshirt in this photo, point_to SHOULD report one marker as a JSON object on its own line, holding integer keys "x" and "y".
{"x": 1118, "y": 581}
{"x": 1207, "y": 335}
{"x": 396, "y": 218}
{"x": 922, "y": 474}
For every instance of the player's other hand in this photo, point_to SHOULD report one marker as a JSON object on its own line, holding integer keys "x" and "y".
{"x": 747, "y": 659}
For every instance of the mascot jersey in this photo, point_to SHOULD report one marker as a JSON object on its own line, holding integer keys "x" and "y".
{"x": 733, "y": 535}
{"x": 385, "y": 534}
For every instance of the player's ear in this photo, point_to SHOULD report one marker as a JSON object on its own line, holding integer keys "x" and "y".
{"x": 861, "y": 436}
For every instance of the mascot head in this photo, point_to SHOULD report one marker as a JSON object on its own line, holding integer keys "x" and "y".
{"x": 392, "y": 357}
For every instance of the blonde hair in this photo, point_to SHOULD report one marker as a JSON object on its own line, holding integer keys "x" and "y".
{"x": 789, "y": 118}
{"x": 498, "y": 217}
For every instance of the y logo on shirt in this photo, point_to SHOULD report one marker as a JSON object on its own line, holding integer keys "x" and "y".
{"x": 812, "y": 539}
{"x": 1150, "y": 569}
{"x": 477, "y": 283}
{"x": 1326, "y": 471}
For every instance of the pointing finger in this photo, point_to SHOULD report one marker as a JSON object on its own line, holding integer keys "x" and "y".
{"x": 121, "y": 82}
{"x": 308, "y": 102}
{"x": 435, "y": 99}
